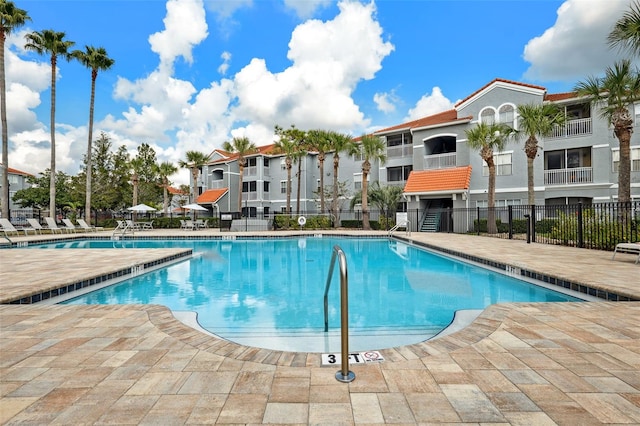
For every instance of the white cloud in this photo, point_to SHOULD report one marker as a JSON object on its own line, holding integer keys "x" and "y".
{"x": 575, "y": 46}
{"x": 328, "y": 60}
{"x": 306, "y": 8}
{"x": 430, "y": 104}
{"x": 226, "y": 59}
{"x": 385, "y": 102}
{"x": 225, "y": 9}
{"x": 185, "y": 27}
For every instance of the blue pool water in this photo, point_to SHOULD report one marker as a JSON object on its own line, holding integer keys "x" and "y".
{"x": 269, "y": 293}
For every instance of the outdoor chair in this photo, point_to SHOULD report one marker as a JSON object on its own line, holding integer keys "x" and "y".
{"x": 7, "y": 227}
{"x": 84, "y": 225}
{"x": 52, "y": 225}
{"x": 71, "y": 227}
{"x": 633, "y": 248}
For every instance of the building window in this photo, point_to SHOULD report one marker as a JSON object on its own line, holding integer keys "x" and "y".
{"x": 503, "y": 164}
{"x": 398, "y": 174}
{"x": 483, "y": 204}
{"x": 358, "y": 157}
{"x": 265, "y": 162}
{"x": 488, "y": 116}
{"x": 507, "y": 115}
{"x": 635, "y": 159}
{"x": 283, "y": 186}
{"x": 265, "y": 187}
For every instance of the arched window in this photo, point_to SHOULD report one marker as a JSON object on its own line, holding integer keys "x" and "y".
{"x": 488, "y": 116}
{"x": 507, "y": 115}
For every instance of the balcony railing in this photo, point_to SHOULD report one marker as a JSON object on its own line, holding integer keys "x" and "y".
{"x": 399, "y": 151}
{"x": 251, "y": 171}
{"x": 440, "y": 161}
{"x": 217, "y": 184}
{"x": 581, "y": 126}
{"x": 573, "y": 176}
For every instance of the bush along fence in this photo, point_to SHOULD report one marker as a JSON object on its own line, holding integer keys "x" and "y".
{"x": 596, "y": 226}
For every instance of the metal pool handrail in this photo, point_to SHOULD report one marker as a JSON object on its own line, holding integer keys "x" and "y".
{"x": 344, "y": 375}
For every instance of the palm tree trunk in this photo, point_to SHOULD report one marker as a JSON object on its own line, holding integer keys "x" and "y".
{"x": 624, "y": 166}
{"x": 491, "y": 201}
{"x": 288, "y": 186}
{"x": 321, "y": 160}
{"x": 365, "y": 207}
{"x": 52, "y": 126}
{"x": 334, "y": 201}
{"x": 4, "y": 181}
{"x": 298, "y": 188}
{"x": 530, "y": 190}
{"x": 87, "y": 207}
{"x": 240, "y": 178}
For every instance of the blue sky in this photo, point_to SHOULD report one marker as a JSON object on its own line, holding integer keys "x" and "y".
{"x": 191, "y": 74}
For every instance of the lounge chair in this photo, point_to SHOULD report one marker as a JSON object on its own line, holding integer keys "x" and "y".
{"x": 7, "y": 227}
{"x": 84, "y": 225}
{"x": 35, "y": 225}
{"x": 70, "y": 226}
{"x": 633, "y": 248}
{"x": 52, "y": 225}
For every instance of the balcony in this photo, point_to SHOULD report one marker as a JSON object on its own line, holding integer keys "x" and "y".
{"x": 578, "y": 127}
{"x": 440, "y": 161}
{"x": 576, "y": 175}
{"x": 399, "y": 151}
{"x": 217, "y": 184}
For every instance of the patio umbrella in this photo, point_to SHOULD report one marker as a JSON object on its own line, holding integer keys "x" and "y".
{"x": 195, "y": 208}
{"x": 141, "y": 208}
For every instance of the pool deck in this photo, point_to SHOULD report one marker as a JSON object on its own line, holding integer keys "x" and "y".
{"x": 528, "y": 363}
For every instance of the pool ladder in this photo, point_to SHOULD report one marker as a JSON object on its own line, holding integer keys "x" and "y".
{"x": 344, "y": 375}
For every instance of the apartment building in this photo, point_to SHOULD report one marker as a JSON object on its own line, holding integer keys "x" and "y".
{"x": 431, "y": 160}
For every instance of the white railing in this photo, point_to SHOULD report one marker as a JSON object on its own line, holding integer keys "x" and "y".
{"x": 440, "y": 161}
{"x": 251, "y": 171}
{"x": 399, "y": 151}
{"x": 573, "y": 176}
{"x": 581, "y": 126}
{"x": 217, "y": 184}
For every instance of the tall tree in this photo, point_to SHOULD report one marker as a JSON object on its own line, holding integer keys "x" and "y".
{"x": 11, "y": 18}
{"x": 318, "y": 141}
{"x": 194, "y": 162}
{"x": 536, "y": 120}
{"x": 489, "y": 138}
{"x": 96, "y": 59}
{"x": 241, "y": 146}
{"x": 52, "y": 43}
{"x": 372, "y": 149}
{"x": 619, "y": 88}
{"x": 626, "y": 31}
{"x": 165, "y": 169}
{"x": 287, "y": 146}
{"x": 338, "y": 143}
{"x": 136, "y": 169}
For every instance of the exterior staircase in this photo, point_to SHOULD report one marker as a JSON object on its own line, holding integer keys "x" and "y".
{"x": 431, "y": 219}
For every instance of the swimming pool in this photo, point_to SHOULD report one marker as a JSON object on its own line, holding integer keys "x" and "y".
{"x": 269, "y": 292}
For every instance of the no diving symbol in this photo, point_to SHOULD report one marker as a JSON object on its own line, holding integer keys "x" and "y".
{"x": 372, "y": 356}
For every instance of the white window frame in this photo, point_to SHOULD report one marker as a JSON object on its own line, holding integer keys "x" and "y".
{"x": 483, "y": 117}
{"x": 283, "y": 186}
{"x": 501, "y": 167}
{"x": 505, "y": 119}
{"x": 635, "y": 159}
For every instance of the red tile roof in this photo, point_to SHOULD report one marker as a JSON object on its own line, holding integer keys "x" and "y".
{"x": 554, "y": 97}
{"x": 454, "y": 179}
{"x": 17, "y": 172}
{"x": 211, "y": 195}
{"x": 431, "y": 120}
{"x": 175, "y": 191}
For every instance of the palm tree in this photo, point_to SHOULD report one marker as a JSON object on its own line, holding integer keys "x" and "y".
{"x": 165, "y": 169}
{"x": 339, "y": 142}
{"x": 386, "y": 199}
{"x": 194, "y": 162}
{"x": 241, "y": 146}
{"x": 536, "y": 120}
{"x": 487, "y": 138}
{"x": 372, "y": 149}
{"x": 96, "y": 59}
{"x": 287, "y": 145}
{"x": 626, "y": 31}
{"x": 11, "y": 18}
{"x": 136, "y": 165}
{"x": 619, "y": 88}
{"x": 52, "y": 43}
{"x": 318, "y": 140}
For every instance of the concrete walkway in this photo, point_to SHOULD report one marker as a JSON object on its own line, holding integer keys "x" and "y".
{"x": 565, "y": 363}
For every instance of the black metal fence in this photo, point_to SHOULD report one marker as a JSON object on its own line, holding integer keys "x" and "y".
{"x": 595, "y": 226}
